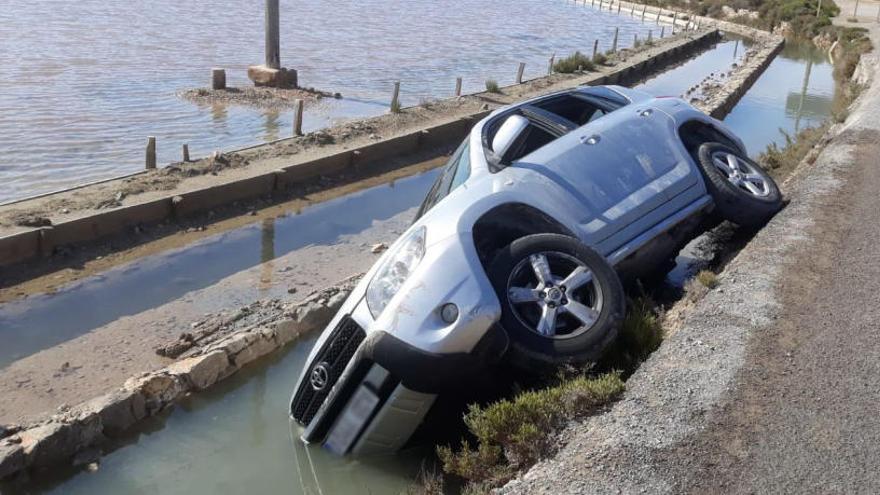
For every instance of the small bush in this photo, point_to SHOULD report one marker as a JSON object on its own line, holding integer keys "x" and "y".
{"x": 428, "y": 482}
{"x": 707, "y": 278}
{"x": 640, "y": 335}
{"x": 573, "y": 62}
{"x": 780, "y": 161}
{"x": 492, "y": 86}
{"x": 600, "y": 59}
{"x": 514, "y": 433}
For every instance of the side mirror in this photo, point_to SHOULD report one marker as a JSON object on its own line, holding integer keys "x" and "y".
{"x": 508, "y": 135}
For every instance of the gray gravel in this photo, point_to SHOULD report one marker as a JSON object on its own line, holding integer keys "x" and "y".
{"x": 770, "y": 384}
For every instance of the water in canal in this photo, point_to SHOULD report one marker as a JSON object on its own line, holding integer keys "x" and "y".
{"x": 235, "y": 437}
{"x": 82, "y": 84}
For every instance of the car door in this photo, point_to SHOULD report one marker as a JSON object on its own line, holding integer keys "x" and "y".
{"x": 621, "y": 169}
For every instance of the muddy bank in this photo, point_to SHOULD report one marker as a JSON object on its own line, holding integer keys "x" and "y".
{"x": 260, "y": 97}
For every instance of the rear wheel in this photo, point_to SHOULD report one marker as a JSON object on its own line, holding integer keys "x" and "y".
{"x": 743, "y": 192}
{"x": 561, "y": 302}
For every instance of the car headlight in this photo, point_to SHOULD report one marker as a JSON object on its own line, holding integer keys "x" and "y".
{"x": 396, "y": 268}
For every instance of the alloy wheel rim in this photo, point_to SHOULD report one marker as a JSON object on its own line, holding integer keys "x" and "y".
{"x": 555, "y": 295}
{"x": 741, "y": 174}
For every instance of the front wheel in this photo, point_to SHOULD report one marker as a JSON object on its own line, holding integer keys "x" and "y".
{"x": 561, "y": 302}
{"x": 743, "y": 192}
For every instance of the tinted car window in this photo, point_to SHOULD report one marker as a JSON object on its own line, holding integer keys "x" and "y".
{"x": 454, "y": 174}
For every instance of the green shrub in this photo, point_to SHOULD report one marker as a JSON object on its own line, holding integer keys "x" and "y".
{"x": 600, "y": 59}
{"x": 514, "y": 433}
{"x": 492, "y": 86}
{"x": 573, "y": 62}
{"x": 640, "y": 335}
{"x": 707, "y": 278}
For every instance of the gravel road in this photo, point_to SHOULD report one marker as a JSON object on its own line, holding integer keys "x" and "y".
{"x": 770, "y": 386}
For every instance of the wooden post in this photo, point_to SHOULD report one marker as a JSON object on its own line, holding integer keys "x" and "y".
{"x": 635, "y": 40}
{"x": 595, "y": 49}
{"x": 298, "y": 117}
{"x": 592, "y": 3}
{"x": 856, "y": 9}
{"x": 674, "y": 18}
{"x": 819, "y": 8}
{"x": 519, "y": 72}
{"x": 151, "y": 153}
{"x": 632, "y": 11}
{"x": 395, "y": 98}
{"x": 618, "y": 7}
{"x": 659, "y": 11}
{"x": 550, "y": 66}
{"x": 614, "y": 42}
{"x": 185, "y": 153}
{"x": 644, "y": 10}
{"x": 650, "y": 35}
{"x": 662, "y": 31}
{"x": 273, "y": 43}
{"x": 218, "y": 78}
{"x": 457, "y": 86}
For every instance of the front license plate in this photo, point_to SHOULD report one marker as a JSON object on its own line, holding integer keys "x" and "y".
{"x": 352, "y": 420}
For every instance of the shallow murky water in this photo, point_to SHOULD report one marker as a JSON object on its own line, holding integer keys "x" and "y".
{"x": 235, "y": 437}
{"x": 82, "y": 84}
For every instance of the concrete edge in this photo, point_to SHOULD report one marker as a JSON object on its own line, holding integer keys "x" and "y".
{"x": 92, "y": 423}
{"x": 31, "y": 243}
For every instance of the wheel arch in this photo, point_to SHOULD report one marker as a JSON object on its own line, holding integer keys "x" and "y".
{"x": 504, "y": 223}
{"x": 694, "y": 132}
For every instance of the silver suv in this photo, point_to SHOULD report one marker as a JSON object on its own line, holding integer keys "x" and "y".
{"x": 518, "y": 251}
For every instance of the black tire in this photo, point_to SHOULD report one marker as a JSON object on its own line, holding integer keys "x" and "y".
{"x": 532, "y": 351}
{"x": 737, "y": 203}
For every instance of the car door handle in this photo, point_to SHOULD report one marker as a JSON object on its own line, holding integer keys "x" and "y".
{"x": 646, "y": 113}
{"x": 591, "y": 140}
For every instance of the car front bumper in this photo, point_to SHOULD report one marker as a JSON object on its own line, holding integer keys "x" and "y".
{"x": 382, "y": 375}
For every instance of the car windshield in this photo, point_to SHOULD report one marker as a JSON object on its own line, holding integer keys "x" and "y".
{"x": 454, "y": 174}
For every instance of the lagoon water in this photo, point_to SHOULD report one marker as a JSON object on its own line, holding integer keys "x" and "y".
{"x": 82, "y": 84}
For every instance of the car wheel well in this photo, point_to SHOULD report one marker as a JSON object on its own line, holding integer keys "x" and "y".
{"x": 694, "y": 133}
{"x": 506, "y": 223}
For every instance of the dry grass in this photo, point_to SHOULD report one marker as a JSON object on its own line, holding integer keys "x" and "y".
{"x": 492, "y": 86}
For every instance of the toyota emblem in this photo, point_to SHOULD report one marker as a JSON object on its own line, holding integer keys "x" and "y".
{"x": 319, "y": 377}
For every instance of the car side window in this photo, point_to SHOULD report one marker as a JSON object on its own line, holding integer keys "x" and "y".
{"x": 454, "y": 174}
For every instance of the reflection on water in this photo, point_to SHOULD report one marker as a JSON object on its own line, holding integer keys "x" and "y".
{"x": 267, "y": 253}
{"x": 794, "y": 92}
{"x": 82, "y": 84}
{"x": 35, "y": 323}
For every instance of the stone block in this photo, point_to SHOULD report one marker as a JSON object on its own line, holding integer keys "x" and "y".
{"x": 276, "y": 78}
{"x": 200, "y": 372}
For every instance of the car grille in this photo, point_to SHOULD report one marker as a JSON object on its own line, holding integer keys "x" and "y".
{"x": 336, "y": 352}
